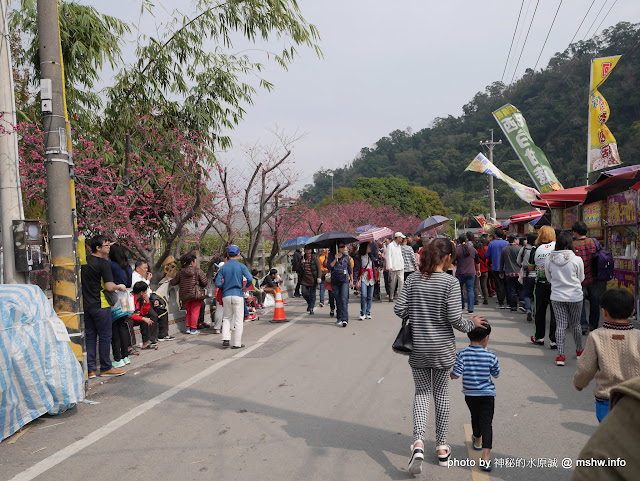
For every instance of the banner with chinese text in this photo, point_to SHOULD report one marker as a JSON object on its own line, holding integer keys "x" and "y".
{"x": 535, "y": 162}
{"x": 603, "y": 148}
{"x": 483, "y": 165}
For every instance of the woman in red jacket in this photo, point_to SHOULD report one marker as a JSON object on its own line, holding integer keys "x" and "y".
{"x": 481, "y": 247}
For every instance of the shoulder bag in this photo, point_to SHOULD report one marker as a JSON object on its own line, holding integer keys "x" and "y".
{"x": 404, "y": 340}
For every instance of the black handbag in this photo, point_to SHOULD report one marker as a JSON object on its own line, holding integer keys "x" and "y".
{"x": 404, "y": 340}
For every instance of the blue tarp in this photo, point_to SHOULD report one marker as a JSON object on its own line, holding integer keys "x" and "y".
{"x": 38, "y": 373}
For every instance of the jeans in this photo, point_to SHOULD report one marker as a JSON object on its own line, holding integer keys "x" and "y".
{"x": 592, "y": 294}
{"x": 341, "y": 293}
{"x": 322, "y": 284}
{"x": 309, "y": 294}
{"x": 366, "y": 296}
{"x": 512, "y": 291}
{"x": 469, "y": 282}
{"x": 332, "y": 301}
{"x": 602, "y": 409}
{"x": 527, "y": 290}
{"x": 500, "y": 287}
{"x": 97, "y": 324}
{"x": 387, "y": 285}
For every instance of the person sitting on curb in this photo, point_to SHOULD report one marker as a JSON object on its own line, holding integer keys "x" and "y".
{"x": 141, "y": 313}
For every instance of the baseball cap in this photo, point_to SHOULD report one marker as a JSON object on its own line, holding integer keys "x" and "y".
{"x": 399, "y": 234}
{"x": 234, "y": 250}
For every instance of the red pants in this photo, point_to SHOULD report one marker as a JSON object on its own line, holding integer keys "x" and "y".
{"x": 193, "y": 312}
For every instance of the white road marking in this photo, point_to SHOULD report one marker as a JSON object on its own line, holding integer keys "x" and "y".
{"x": 380, "y": 380}
{"x": 65, "y": 453}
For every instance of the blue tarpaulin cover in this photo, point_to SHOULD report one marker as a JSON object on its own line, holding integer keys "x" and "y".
{"x": 38, "y": 373}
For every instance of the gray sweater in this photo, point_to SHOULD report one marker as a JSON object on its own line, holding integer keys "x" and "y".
{"x": 509, "y": 260}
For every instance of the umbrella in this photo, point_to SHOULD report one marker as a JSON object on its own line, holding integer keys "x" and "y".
{"x": 375, "y": 234}
{"x": 365, "y": 228}
{"x": 330, "y": 238}
{"x": 295, "y": 243}
{"x": 432, "y": 222}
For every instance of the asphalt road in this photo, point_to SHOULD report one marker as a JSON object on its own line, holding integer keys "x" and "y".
{"x": 305, "y": 400}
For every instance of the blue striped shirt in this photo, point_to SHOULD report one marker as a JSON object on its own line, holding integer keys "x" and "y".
{"x": 476, "y": 365}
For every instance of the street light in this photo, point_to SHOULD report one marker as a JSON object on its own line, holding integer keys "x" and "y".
{"x": 331, "y": 174}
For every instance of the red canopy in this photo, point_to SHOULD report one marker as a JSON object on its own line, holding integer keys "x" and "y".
{"x": 527, "y": 216}
{"x": 553, "y": 204}
{"x": 575, "y": 194}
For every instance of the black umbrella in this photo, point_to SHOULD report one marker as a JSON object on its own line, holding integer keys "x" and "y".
{"x": 331, "y": 238}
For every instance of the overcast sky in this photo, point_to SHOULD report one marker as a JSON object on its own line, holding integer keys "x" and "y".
{"x": 394, "y": 64}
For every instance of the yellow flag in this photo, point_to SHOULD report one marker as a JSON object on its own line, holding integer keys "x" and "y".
{"x": 602, "y": 146}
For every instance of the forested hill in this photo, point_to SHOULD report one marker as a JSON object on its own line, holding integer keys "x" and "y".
{"x": 552, "y": 100}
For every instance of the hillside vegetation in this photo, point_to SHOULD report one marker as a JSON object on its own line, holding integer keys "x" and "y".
{"x": 552, "y": 100}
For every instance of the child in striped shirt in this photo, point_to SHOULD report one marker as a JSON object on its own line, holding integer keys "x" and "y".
{"x": 476, "y": 365}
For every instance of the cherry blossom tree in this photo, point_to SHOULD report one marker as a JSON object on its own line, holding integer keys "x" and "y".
{"x": 149, "y": 203}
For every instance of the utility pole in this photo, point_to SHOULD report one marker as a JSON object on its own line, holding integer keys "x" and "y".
{"x": 331, "y": 174}
{"x": 63, "y": 231}
{"x": 490, "y": 144}
{"x": 10, "y": 192}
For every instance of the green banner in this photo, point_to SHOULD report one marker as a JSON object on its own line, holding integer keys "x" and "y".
{"x": 515, "y": 128}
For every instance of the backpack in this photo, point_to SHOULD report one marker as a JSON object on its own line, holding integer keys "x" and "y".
{"x": 602, "y": 264}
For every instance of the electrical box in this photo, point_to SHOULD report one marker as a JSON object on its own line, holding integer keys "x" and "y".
{"x": 46, "y": 92}
{"x": 28, "y": 245}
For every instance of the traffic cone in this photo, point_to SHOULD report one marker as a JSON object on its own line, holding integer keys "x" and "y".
{"x": 278, "y": 313}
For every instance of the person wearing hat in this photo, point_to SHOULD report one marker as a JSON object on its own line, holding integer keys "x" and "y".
{"x": 231, "y": 279}
{"x": 395, "y": 264}
{"x": 510, "y": 269}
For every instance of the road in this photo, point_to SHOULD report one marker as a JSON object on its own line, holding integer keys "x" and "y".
{"x": 305, "y": 400}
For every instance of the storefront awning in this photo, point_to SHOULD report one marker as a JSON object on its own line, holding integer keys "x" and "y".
{"x": 575, "y": 194}
{"x": 527, "y": 216}
{"x": 553, "y": 204}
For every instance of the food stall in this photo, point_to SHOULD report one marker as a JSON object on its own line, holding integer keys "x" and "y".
{"x": 622, "y": 239}
{"x": 593, "y": 216}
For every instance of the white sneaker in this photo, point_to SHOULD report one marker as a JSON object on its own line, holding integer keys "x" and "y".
{"x": 362, "y": 317}
{"x": 344, "y": 323}
{"x": 368, "y": 316}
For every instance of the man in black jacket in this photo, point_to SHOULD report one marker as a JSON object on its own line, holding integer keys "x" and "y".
{"x": 295, "y": 263}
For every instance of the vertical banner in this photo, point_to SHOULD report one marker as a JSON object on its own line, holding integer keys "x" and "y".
{"x": 535, "y": 162}
{"x": 602, "y": 149}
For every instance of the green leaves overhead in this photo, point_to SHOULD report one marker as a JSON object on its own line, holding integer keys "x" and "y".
{"x": 190, "y": 76}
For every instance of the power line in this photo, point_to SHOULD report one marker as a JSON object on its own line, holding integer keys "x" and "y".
{"x": 603, "y": 18}
{"x": 525, "y": 40}
{"x": 512, "y": 39}
{"x": 583, "y": 19}
{"x": 595, "y": 20}
{"x": 548, "y": 33}
{"x": 526, "y": 14}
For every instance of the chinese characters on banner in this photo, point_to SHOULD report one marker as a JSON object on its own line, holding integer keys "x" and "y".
{"x": 535, "y": 162}
{"x": 622, "y": 208}
{"x": 592, "y": 215}
{"x": 483, "y": 165}
{"x": 602, "y": 148}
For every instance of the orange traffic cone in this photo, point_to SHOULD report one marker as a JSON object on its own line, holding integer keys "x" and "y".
{"x": 278, "y": 313}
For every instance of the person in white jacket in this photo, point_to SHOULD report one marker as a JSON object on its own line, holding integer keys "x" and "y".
{"x": 395, "y": 264}
{"x": 565, "y": 272}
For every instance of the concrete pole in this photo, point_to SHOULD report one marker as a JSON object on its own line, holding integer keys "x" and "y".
{"x": 10, "y": 193}
{"x": 63, "y": 232}
{"x": 490, "y": 144}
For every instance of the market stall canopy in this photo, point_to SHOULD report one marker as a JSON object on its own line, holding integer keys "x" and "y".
{"x": 618, "y": 171}
{"x": 295, "y": 243}
{"x": 527, "y": 216}
{"x": 373, "y": 235}
{"x": 618, "y": 182}
{"x": 329, "y": 239}
{"x": 575, "y": 194}
{"x": 432, "y": 222}
{"x": 553, "y": 204}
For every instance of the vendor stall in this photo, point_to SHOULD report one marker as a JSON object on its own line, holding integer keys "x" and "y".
{"x": 622, "y": 239}
{"x": 592, "y": 215}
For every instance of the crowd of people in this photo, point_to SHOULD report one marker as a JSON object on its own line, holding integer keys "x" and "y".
{"x": 527, "y": 274}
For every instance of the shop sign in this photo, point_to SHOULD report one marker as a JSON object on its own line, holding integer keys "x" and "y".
{"x": 623, "y": 280}
{"x": 556, "y": 218}
{"x": 597, "y": 233}
{"x": 622, "y": 264}
{"x": 570, "y": 217}
{"x": 592, "y": 215}
{"x": 623, "y": 208}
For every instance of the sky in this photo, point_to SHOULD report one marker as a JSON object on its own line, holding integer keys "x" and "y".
{"x": 393, "y": 65}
